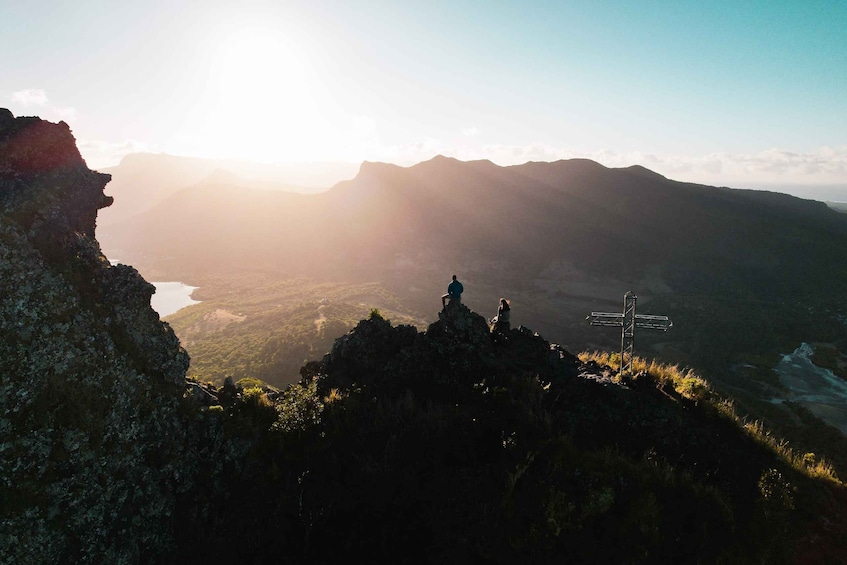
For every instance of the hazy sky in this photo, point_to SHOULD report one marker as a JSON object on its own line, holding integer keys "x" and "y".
{"x": 724, "y": 92}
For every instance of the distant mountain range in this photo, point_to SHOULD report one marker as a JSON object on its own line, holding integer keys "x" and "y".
{"x": 142, "y": 180}
{"x": 742, "y": 267}
{"x": 611, "y": 220}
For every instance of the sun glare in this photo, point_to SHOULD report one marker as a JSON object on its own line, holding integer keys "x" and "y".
{"x": 262, "y": 102}
{"x": 265, "y": 64}
{"x": 268, "y": 94}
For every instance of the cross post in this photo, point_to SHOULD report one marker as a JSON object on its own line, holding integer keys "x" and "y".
{"x": 628, "y": 321}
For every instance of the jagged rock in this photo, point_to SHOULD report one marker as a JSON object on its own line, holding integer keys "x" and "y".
{"x": 93, "y": 451}
{"x": 461, "y": 323}
{"x": 37, "y": 157}
{"x": 455, "y": 352}
{"x": 201, "y": 394}
{"x": 362, "y": 352}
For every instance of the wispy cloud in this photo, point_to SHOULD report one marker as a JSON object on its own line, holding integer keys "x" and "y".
{"x": 827, "y": 165}
{"x": 30, "y": 97}
{"x": 35, "y": 99}
{"x": 776, "y": 166}
{"x": 470, "y": 132}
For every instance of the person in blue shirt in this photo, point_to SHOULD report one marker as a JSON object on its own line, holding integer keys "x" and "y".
{"x": 454, "y": 293}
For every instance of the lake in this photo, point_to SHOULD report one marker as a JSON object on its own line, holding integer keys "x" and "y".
{"x": 171, "y": 297}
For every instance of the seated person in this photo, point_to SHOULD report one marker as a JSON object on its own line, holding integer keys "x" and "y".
{"x": 454, "y": 293}
{"x": 501, "y": 320}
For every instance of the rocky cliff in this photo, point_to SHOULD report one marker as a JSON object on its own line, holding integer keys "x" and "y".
{"x": 90, "y": 383}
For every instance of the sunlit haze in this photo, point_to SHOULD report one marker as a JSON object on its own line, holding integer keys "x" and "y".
{"x": 726, "y": 93}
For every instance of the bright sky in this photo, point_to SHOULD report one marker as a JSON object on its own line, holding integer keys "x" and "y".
{"x": 723, "y": 92}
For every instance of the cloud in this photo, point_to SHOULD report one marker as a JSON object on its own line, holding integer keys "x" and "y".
{"x": 470, "y": 132}
{"x": 827, "y": 165}
{"x": 37, "y": 98}
{"x": 517, "y": 154}
{"x": 30, "y": 97}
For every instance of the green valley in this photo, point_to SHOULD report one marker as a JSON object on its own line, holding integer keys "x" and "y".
{"x": 254, "y": 325}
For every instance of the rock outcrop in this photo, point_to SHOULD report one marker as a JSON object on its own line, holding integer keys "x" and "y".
{"x": 455, "y": 352}
{"x": 90, "y": 378}
{"x": 36, "y": 158}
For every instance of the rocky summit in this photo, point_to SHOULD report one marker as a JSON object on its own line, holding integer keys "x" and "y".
{"x": 449, "y": 445}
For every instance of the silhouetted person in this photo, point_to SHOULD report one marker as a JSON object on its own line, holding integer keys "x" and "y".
{"x": 501, "y": 320}
{"x": 454, "y": 293}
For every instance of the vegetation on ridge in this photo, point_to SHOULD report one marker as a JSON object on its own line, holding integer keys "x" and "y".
{"x": 444, "y": 446}
{"x": 688, "y": 385}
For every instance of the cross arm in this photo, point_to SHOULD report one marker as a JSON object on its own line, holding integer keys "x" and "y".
{"x": 645, "y": 321}
{"x": 608, "y": 319}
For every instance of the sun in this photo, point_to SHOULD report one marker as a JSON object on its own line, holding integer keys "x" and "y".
{"x": 260, "y": 86}
{"x": 264, "y": 93}
{"x": 263, "y": 68}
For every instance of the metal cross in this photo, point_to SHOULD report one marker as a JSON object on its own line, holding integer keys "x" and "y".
{"x": 628, "y": 321}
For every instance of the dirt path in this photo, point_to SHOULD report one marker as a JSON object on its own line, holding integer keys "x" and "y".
{"x": 321, "y": 319}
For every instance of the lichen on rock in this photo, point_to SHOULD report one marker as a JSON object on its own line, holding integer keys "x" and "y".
{"x": 91, "y": 456}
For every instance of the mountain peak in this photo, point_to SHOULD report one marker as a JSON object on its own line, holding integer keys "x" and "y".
{"x": 376, "y": 167}
{"x": 439, "y": 161}
{"x": 443, "y": 161}
{"x": 644, "y": 171}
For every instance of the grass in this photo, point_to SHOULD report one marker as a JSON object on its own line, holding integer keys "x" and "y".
{"x": 689, "y": 385}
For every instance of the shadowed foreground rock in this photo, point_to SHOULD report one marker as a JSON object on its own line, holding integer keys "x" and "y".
{"x": 91, "y": 452}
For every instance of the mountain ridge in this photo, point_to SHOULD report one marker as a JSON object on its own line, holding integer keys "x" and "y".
{"x": 620, "y": 221}
{"x": 141, "y": 180}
